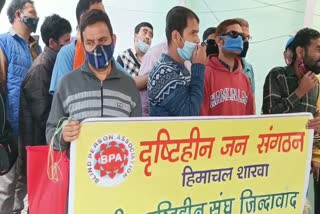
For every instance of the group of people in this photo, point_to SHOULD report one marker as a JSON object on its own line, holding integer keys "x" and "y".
{"x": 46, "y": 94}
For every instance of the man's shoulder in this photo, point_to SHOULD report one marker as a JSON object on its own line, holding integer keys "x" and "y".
{"x": 71, "y": 81}
{"x": 64, "y": 58}
{"x": 125, "y": 53}
{"x": 5, "y": 40}
{"x": 122, "y": 73}
{"x": 67, "y": 49}
{"x": 4, "y": 36}
{"x": 247, "y": 65}
{"x": 72, "y": 75}
{"x": 165, "y": 63}
{"x": 279, "y": 71}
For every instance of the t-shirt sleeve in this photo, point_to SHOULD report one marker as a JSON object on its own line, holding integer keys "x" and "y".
{"x": 63, "y": 65}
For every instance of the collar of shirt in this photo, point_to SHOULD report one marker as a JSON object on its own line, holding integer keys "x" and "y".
{"x": 291, "y": 72}
{"x": 51, "y": 53}
{"x": 134, "y": 51}
{"x": 33, "y": 40}
{"x": 178, "y": 66}
{"x": 114, "y": 74}
{"x": 228, "y": 67}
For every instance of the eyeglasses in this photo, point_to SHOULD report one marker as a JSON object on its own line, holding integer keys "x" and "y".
{"x": 234, "y": 34}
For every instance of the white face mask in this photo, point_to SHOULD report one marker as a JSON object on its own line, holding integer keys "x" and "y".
{"x": 142, "y": 46}
{"x": 186, "y": 52}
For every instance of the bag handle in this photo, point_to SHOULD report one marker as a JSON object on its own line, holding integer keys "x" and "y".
{"x": 53, "y": 169}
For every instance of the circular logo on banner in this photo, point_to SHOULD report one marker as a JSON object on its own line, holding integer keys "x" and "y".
{"x": 110, "y": 160}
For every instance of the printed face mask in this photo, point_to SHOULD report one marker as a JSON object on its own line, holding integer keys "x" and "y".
{"x": 101, "y": 56}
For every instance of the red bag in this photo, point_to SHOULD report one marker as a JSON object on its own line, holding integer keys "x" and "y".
{"x": 44, "y": 195}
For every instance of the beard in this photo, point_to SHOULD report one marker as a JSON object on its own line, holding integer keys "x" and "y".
{"x": 312, "y": 65}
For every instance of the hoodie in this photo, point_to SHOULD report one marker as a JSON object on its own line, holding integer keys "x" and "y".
{"x": 226, "y": 93}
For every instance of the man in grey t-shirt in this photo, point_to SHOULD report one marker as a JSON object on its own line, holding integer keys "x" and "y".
{"x": 99, "y": 88}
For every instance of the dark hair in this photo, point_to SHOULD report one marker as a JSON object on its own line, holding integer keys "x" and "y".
{"x": 243, "y": 22}
{"x": 177, "y": 19}
{"x": 14, "y": 6}
{"x": 54, "y": 27}
{"x": 208, "y": 32}
{"x": 303, "y": 39}
{"x": 222, "y": 27}
{"x": 93, "y": 16}
{"x": 142, "y": 24}
{"x": 83, "y": 6}
{"x": 2, "y": 2}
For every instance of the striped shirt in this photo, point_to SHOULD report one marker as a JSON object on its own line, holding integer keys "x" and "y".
{"x": 81, "y": 95}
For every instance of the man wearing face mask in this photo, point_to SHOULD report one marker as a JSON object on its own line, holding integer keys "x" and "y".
{"x": 131, "y": 58}
{"x": 247, "y": 68}
{"x": 227, "y": 89}
{"x": 72, "y": 56}
{"x": 172, "y": 90}
{"x": 295, "y": 88}
{"x": 288, "y": 52}
{"x": 35, "y": 100}
{"x": 208, "y": 38}
{"x": 102, "y": 89}
{"x": 17, "y": 51}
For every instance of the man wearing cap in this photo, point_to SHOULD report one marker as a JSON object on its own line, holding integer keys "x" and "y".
{"x": 295, "y": 88}
{"x": 288, "y": 52}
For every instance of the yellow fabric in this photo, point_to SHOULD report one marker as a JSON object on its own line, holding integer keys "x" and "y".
{"x": 318, "y": 101}
{"x": 316, "y": 151}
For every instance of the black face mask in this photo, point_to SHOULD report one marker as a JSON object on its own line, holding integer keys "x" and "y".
{"x": 245, "y": 49}
{"x": 31, "y": 23}
{"x": 212, "y": 47}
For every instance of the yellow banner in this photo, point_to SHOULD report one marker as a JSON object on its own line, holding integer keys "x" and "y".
{"x": 191, "y": 165}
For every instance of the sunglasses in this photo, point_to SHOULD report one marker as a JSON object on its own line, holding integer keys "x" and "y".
{"x": 234, "y": 34}
{"x": 208, "y": 42}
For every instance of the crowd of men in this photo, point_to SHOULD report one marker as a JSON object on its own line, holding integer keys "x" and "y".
{"x": 79, "y": 78}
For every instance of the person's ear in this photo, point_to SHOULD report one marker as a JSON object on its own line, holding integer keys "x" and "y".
{"x": 52, "y": 43}
{"x": 300, "y": 52}
{"x": 219, "y": 41}
{"x": 177, "y": 39}
{"x": 114, "y": 39}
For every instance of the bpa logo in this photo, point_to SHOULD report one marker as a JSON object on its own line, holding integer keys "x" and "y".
{"x": 110, "y": 160}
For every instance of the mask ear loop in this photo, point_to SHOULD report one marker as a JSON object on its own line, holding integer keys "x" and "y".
{"x": 288, "y": 56}
{"x": 181, "y": 39}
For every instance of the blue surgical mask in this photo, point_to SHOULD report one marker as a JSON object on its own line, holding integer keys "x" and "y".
{"x": 101, "y": 56}
{"x": 186, "y": 52}
{"x": 232, "y": 44}
{"x": 142, "y": 46}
